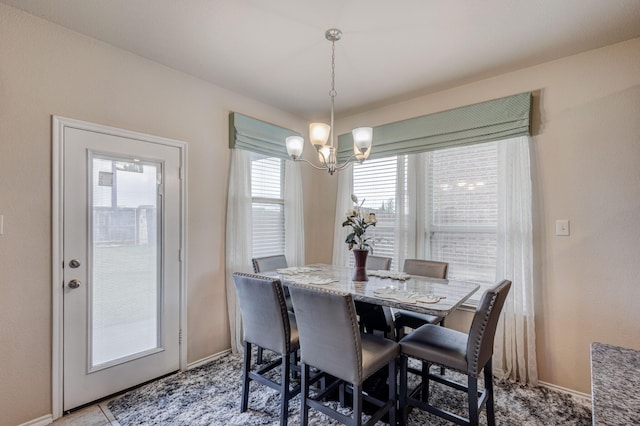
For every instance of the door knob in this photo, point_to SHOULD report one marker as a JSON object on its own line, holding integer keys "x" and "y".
{"x": 74, "y": 284}
{"x": 74, "y": 263}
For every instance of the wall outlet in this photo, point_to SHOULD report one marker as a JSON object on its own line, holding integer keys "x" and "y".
{"x": 562, "y": 227}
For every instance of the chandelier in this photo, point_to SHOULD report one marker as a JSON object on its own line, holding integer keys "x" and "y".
{"x": 321, "y": 135}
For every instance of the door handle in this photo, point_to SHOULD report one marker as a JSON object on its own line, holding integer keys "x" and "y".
{"x": 74, "y": 284}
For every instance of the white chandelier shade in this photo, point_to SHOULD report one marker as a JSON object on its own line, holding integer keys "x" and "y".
{"x": 295, "y": 145}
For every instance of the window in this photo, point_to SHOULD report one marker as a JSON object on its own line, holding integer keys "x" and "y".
{"x": 267, "y": 205}
{"x": 374, "y": 181}
{"x": 449, "y": 204}
{"x": 461, "y": 211}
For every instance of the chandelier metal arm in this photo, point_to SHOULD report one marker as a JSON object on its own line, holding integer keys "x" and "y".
{"x": 349, "y": 162}
{"x": 310, "y": 163}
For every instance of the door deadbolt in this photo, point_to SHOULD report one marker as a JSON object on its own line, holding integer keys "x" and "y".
{"x": 74, "y": 284}
{"x": 74, "y": 263}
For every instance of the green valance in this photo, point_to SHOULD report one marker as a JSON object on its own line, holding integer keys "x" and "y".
{"x": 484, "y": 122}
{"x": 258, "y": 136}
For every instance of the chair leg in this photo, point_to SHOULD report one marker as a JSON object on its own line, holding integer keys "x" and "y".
{"x": 304, "y": 408}
{"x": 472, "y": 383}
{"x": 425, "y": 382}
{"x": 357, "y": 405}
{"x": 259, "y": 358}
{"x": 393, "y": 395}
{"x": 442, "y": 370}
{"x": 246, "y": 367}
{"x": 293, "y": 360}
{"x": 399, "y": 333}
{"x": 488, "y": 384}
{"x": 341, "y": 398}
{"x": 404, "y": 409}
{"x": 285, "y": 367}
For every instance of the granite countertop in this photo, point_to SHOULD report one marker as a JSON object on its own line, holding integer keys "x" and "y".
{"x": 615, "y": 385}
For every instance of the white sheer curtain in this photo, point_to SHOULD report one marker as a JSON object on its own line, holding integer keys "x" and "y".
{"x": 515, "y": 342}
{"x": 293, "y": 214}
{"x": 343, "y": 204}
{"x": 238, "y": 236}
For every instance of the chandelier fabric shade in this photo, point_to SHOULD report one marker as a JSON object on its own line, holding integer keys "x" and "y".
{"x": 321, "y": 135}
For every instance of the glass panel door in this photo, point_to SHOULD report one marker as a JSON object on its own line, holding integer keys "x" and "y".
{"x": 122, "y": 267}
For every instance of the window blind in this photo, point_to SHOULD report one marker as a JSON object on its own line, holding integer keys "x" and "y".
{"x": 374, "y": 181}
{"x": 267, "y": 177}
{"x": 461, "y": 211}
{"x": 258, "y": 136}
{"x": 483, "y": 122}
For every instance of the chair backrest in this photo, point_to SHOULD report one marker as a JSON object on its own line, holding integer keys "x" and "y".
{"x": 483, "y": 326}
{"x": 269, "y": 263}
{"x": 426, "y": 268}
{"x": 328, "y": 331}
{"x": 378, "y": 263}
{"x": 265, "y": 321}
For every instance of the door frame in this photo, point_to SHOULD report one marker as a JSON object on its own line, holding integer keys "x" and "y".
{"x": 57, "y": 229}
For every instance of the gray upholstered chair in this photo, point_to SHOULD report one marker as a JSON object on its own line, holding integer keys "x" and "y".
{"x": 330, "y": 341}
{"x": 467, "y": 353}
{"x": 268, "y": 264}
{"x": 266, "y": 322}
{"x": 375, "y": 317}
{"x": 378, "y": 263}
{"x": 423, "y": 268}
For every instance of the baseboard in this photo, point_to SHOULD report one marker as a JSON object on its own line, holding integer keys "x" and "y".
{"x": 579, "y": 395}
{"x": 208, "y": 359}
{"x": 40, "y": 421}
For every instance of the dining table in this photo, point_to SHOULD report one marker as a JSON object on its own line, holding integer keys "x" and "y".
{"x": 397, "y": 290}
{"x": 433, "y": 296}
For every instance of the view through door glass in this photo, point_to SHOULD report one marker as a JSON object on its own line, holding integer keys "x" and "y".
{"x": 125, "y": 259}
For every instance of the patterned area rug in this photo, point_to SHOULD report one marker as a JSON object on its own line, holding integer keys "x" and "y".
{"x": 210, "y": 395}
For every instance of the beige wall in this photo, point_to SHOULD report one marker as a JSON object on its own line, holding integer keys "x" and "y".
{"x": 46, "y": 70}
{"x": 585, "y": 168}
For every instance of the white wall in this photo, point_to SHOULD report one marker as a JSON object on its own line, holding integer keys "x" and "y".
{"x": 586, "y": 168}
{"x": 46, "y": 70}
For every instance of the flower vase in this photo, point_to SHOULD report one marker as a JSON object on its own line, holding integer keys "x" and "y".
{"x": 361, "y": 265}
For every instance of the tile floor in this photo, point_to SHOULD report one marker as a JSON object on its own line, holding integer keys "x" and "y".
{"x": 93, "y": 415}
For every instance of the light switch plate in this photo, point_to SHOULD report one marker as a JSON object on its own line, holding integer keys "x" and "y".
{"x": 562, "y": 227}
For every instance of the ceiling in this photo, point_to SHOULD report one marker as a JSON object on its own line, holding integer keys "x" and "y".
{"x": 275, "y": 51}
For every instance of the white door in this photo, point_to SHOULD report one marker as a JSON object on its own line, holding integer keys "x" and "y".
{"x": 121, "y": 263}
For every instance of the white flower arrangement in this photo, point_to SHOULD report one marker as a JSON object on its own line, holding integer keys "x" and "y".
{"x": 359, "y": 220}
